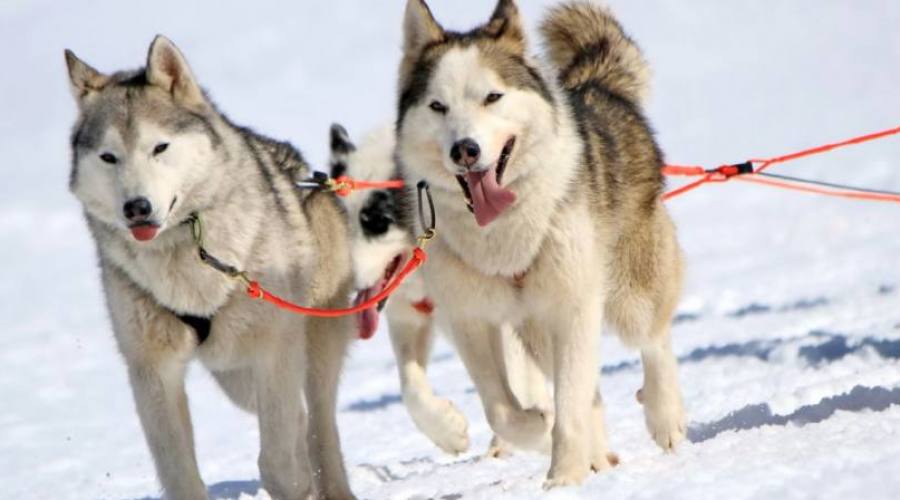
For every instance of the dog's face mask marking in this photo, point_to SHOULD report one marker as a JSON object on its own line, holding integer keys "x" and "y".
{"x": 469, "y": 104}
{"x": 142, "y": 141}
{"x": 379, "y": 242}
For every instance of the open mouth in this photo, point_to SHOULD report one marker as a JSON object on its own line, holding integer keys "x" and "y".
{"x": 367, "y": 321}
{"x": 144, "y": 231}
{"x": 147, "y": 230}
{"x": 485, "y": 195}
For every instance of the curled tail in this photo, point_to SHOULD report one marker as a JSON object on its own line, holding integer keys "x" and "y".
{"x": 586, "y": 44}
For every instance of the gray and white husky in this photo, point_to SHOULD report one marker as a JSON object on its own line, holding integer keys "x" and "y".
{"x": 547, "y": 185}
{"x": 149, "y": 152}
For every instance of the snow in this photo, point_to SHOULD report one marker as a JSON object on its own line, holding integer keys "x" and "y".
{"x": 788, "y": 332}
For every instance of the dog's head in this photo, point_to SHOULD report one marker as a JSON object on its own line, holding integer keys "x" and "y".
{"x": 142, "y": 142}
{"x": 472, "y": 108}
{"x": 380, "y": 242}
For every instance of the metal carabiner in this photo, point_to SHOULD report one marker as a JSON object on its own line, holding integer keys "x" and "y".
{"x": 428, "y": 230}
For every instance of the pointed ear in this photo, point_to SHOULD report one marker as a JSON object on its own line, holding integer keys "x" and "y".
{"x": 168, "y": 70}
{"x": 83, "y": 79}
{"x": 506, "y": 26}
{"x": 419, "y": 27}
{"x": 341, "y": 146}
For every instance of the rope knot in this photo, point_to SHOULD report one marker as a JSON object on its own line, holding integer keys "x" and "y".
{"x": 254, "y": 290}
{"x": 726, "y": 172}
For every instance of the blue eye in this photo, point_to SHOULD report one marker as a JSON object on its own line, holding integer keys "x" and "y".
{"x": 160, "y": 148}
{"x": 109, "y": 158}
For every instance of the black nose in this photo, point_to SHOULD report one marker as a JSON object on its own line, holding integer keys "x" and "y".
{"x": 465, "y": 152}
{"x": 137, "y": 209}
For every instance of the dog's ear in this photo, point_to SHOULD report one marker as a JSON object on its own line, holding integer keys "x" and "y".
{"x": 83, "y": 79}
{"x": 506, "y": 26}
{"x": 419, "y": 27}
{"x": 168, "y": 70}
{"x": 341, "y": 146}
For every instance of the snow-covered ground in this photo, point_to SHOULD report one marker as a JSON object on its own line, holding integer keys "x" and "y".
{"x": 789, "y": 331}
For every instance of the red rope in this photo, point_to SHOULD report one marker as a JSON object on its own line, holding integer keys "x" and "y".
{"x": 344, "y": 185}
{"x": 817, "y": 190}
{"x": 729, "y": 172}
{"x": 823, "y": 149}
{"x": 687, "y": 187}
{"x": 254, "y": 290}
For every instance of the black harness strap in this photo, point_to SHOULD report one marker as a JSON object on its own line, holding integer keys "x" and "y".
{"x": 201, "y": 326}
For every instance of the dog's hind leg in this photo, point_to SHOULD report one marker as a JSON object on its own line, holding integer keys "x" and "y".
{"x": 278, "y": 374}
{"x": 663, "y": 408}
{"x": 480, "y": 347}
{"x": 646, "y": 286}
{"x": 327, "y": 342}
{"x": 601, "y": 457}
{"x": 412, "y": 336}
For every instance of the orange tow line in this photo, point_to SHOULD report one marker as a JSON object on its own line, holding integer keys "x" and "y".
{"x": 755, "y": 171}
{"x": 256, "y": 291}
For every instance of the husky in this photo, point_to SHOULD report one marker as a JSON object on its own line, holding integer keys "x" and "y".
{"x": 380, "y": 244}
{"x": 149, "y": 152}
{"x": 546, "y": 180}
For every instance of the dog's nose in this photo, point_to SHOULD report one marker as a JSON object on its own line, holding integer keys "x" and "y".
{"x": 137, "y": 209}
{"x": 465, "y": 152}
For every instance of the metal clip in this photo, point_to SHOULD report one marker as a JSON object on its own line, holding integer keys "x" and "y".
{"x": 196, "y": 228}
{"x": 319, "y": 180}
{"x": 429, "y": 231}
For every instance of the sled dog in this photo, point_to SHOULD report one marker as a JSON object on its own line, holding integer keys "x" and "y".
{"x": 547, "y": 183}
{"x": 149, "y": 153}
{"x": 380, "y": 244}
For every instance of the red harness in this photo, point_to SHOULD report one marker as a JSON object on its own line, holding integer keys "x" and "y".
{"x": 424, "y": 306}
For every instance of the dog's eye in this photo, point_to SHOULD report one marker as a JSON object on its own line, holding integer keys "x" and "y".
{"x": 377, "y": 216}
{"x": 438, "y": 107}
{"x": 160, "y": 148}
{"x": 109, "y": 158}
{"x": 492, "y": 98}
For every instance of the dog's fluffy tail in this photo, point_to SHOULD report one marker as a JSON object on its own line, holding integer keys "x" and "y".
{"x": 586, "y": 44}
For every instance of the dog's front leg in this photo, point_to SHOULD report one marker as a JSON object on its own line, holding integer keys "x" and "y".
{"x": 480, "y": 346}
{"x": 163, "y": 409}
{"x": 278, "y": 375}
{"x": 327, "y": 341}
{"x": 411, "y": 336}
{"x": 157, "y": 347}
{"x": 574, "y": 334}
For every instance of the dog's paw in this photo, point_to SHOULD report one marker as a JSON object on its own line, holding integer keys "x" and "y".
{"x": 527, "y": 429}
{"x": 498, "y": 449}
{"x": 667, "y": 424}
{"x": 557, "y": 479}
{"x": 444, "y": 425}
{"x": 604, "y": 461}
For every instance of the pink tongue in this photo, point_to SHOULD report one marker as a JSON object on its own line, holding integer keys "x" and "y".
{"x": 489, "y": 199}
{"x": 367, "y": 321}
